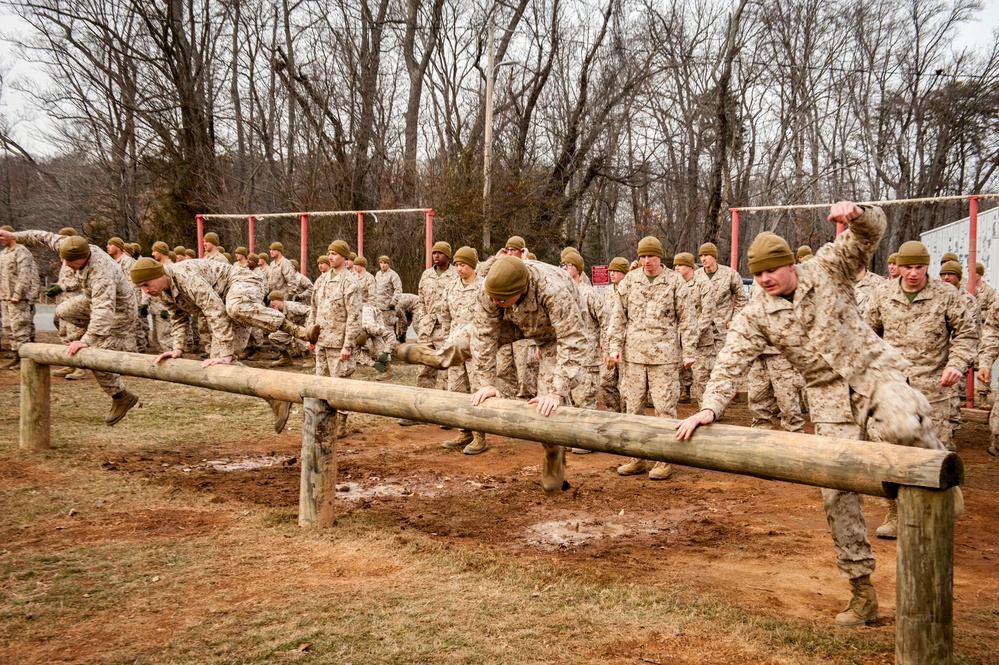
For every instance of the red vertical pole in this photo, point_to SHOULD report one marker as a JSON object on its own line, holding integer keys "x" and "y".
{"x": 249, "y": 232}
{"x": 200, "y": 221}
{"x": 735, "y": 238}
{"x": 303, "y": 261}
{"x": 430, "y": 234}
{"x": 972, "y": 278}
{"x": 360, "y": 233}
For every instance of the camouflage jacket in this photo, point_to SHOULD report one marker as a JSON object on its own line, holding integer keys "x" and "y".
{"x": 866, "y": 288}
{"x": 113, "y": 308}
{"x": 591, "y": 308}
{"x": 547, "y": 313}
{"x": 280, "y": 275}
{"x": 408, "y": 306}
{"x": 388, "y": 288}
{"x": 198, "y": 287}
{"x": 296, "y": 312}
{"x": 459, "y": 310}
{"x": 18, "y": 275}
{"x": 302, "y": 289}
{"x": 725, "y": 284}
{"x": 986, "y": 296}
{"x": 702, "y": 297}
{"x": 336, "y": 307}
{"x": 217, "y": 257}
{"x": 653, "y": 323}
{"x": 432, "y": 289}
{"x": 820, "y": 331}
{"x": 366, "y": 283}
{"x": 988, "y": 350}
{"x": 934, "y": 331}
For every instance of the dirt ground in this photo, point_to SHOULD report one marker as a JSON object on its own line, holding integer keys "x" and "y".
{"x": 755, "y": 544}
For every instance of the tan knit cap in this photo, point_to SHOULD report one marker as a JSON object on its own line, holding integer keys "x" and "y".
{"x": 980, "y": 269}
{"x": 117, "y": 242}
{"x": 912, "y": 253}
{"x": 384, "y": 259}
{"x": 241, "y": 250}
{"x": 191, "y": 254}
{"x": 803, "y": 251}
{"x": 161, "y": 247}
{"x": 295, "y": 264}
{"x": 67, "y": 231}
{"x": 893, "y": 259}
{"x": 952, "y": 268}
{"x": 361, "y": 261}
{"x": 212, "y": 238}
{"x": 74, "y": 247}
{"x": 767, "y": 252}
{"x": 173, "y": 255}
{"x": 179, "y": 249}
{"x": 684, "y": 259}
{"x": 340, "y": 247}
{"x": 145, "y": 269}
{"x": 275, "y": 295}
{"x": 650, "y": 246}
{"x": 532, "y": 256}
{"x": 467, "y": 255}
{"x": 442, "y": 247}
{"x": 948, "y": 256}
{"x": 353, "y": 255}
{"x": 516, "y": 242}
{"x": 570, "y": 255}
{"x": 507, "y": 278}
{"x": 7, "y": 227}
{"x": 276, "y": 245}
{"x": 228, "y": 257}
{"x": 709, "y": 249}
{"x": 619, "y": 264}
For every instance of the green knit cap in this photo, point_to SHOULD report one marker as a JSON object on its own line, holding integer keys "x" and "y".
{"x": 912, "y": 253}
{"x": 212, "y": 238}
{"x": 619, "y": 264}
{"x": 650, "y": 246}
{"x": 145, "y": 269}
{"x": 767, "y": 252}
{"x": 952, "y": 268}
{"x": 949, "y": 256}
{"x": 507, "y": 278}
{"x": 340, "y": 247}
{"x": 74, "y": 247}
{"x": 709, "y": 249}
{"x": 467, "y": 255}
{"x": 684, "y": 259}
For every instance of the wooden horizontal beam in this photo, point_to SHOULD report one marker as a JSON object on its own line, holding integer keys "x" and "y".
{"x": 855, "y": 466}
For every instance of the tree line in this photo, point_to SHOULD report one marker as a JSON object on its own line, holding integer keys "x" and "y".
{"x": 613, "y": 119}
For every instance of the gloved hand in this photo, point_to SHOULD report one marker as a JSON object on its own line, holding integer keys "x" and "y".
{"x": 143, "y": 311}
{"x": 164, "y": 314}
{"x": 53, "y": 290}
{"x": 382, "y": 358}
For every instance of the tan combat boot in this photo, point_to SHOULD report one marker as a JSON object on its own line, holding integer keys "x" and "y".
{"x": 634, "y": 467}
{"x": 284, "y": 361}
{"x": 63, "y": 372}
{"x": 120, "y": 404}
{"x": 478, "y": 444}
{"x": 418, "y": 354}
{"x": 341, "y": 425}
{"x": 463, "y": 439}
{"x": 660, "y": 471}
{"x": 361, "y": 339}
{"x": 889, "y": 530}
{"x": 15, "y": 362}
{"x": 77, "y": 374}
{"x": 281, "y": 412}
{"x": 310, "y": 335}
{"x": 863, "y": 605}
{"x": 387, "y": 374}
{"x": 553, "y": 471}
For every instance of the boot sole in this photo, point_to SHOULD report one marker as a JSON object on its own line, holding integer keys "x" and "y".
{"x": 132, "y": 405}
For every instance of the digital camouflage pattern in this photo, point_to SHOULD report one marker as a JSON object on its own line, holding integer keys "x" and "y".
{"x": 336, "y": 308}
{"x": 18, "y": 280}
{"x": 431, "y": 329}
{"x": 279, "y": 275}
{"x": 866, "y": 288}
{"x": 653, "y": 323}
{"x": 728, "y": 294}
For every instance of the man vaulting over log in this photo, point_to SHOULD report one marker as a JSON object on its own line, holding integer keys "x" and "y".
{"x": 520, "y": 300}
{"x": 229, "y": 298}
{"x": 104, "y": 310}
{"x": 856, "y": 381}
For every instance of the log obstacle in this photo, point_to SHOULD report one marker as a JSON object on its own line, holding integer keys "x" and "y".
{"x": 918, "y": 477}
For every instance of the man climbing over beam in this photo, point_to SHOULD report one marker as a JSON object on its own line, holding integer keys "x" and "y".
{"x": 856, "y": 380}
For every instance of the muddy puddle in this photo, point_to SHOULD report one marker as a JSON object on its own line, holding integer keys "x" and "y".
{"x": 570, "y": 533}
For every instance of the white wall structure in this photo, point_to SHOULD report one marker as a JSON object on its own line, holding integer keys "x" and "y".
{"x": 953, "y": 237}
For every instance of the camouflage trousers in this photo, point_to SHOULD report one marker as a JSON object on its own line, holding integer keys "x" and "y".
{"x": 896, "y": 414}
{"x": 456, "y": 351}
{"x": 584, "y": 395}
{"x": 773, "y": 382}
{"x": 328, "y": 363}
{"x": 428, "y": 376}
{"x": 76, "y": 311}
{"x": 18, "y": 322}
{"x": 700, "y": 371}
{"x": 162, "y": 335}
{"x": 381, "y": 338}
{"x": 994, "y": 428}
{"x": 526, "y": 368}
{"x": 609, "y": 393}
{"x": 388, "y": 318}
{"x": 660, "y": 382}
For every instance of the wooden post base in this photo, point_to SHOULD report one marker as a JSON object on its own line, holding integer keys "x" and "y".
{"x": 36, "y": 420}
{"x": 317, "y": 490}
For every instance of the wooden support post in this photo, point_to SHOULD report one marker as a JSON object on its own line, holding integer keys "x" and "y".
{"x": 35, "y": 417}
{"x": 317, "y": 490}
{"x": 924, "y": 629}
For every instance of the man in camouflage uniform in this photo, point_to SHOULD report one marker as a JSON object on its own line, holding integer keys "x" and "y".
{"x": 240, "y": 254}
{"x": 857, "y": 381}
{"x": 407, "y": 310}
{"x": 892, "y": 266}
{"x": 365, "y": 280}
{"x": 118, "y": 250}
{"x": 280, "y": 274}
{"x": 591, "y": 308}
{"x": 63, "y": 289}
{"x": 459, "y": 312}
{"x": 19, "y": 288}
{"x": 654, "y": 331}
{"x": 336, "y": 308}
{"x": 228, "y": 298}
{"x": 951, "y": 272}
{"x": 162, "y": 335}
{"x": 804, "y": 253}
{"x": 104, "y": 310}
{"x": 212, "y": 251}
{"x": 388, "y": 288}
{"x": 703, "y": 298}
{"x": 287, "y": 345}
{"x": 610, "y": 393}
{"x": 987, "y": 355}
{"x": 865, "y": 284}
{"x": 729, "y": 297}
{"x": 986, "y": 296}
{"x": 433, "y": 285}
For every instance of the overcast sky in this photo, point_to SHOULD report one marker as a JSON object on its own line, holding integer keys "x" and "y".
{"x": 28, "y": 126}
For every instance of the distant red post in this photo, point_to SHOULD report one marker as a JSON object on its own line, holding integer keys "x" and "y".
{"x": 735, "y": 238}
{"x": 303, "y": 261}
{"x": 249, "y": 231}
{"x": 430, "y": 234}
{"x": 200, "y": 220}
{"x": 360, "y": 233}
{"x": 972, "y": 278}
